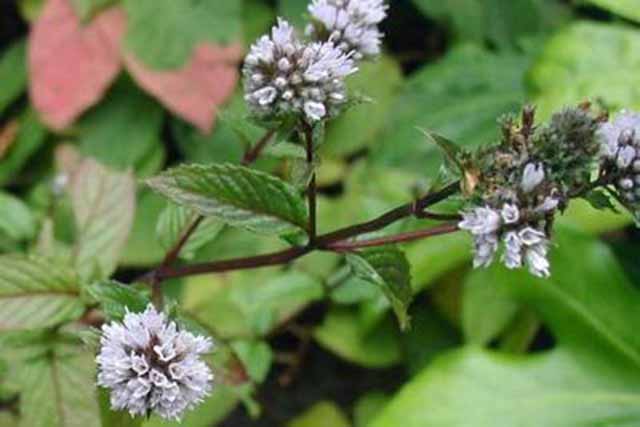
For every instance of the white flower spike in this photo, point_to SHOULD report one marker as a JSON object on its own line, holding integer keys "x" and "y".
{"x": 150, "y": 365}
{"x": 283, "y": 75}
{"x": 352, "y": 25}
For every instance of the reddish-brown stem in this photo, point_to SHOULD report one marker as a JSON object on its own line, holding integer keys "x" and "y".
{"x": 254, "y": 152}
{"x": 397, "y": 238}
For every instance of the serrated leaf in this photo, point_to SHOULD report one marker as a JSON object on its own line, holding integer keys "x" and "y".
{"x": 36, "y": 293}
{"x": 115, "y": 298}
{"x": 236, "y": 195}
{"x": 104, "y": 206}
{"x": 389, "y": 269}
{"x": 60, "y": 391}
{"x": 13, "y": 73}
{"x": 175, "y": 221}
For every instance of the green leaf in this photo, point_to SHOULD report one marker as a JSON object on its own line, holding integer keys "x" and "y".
{"x": 459, "y": 97}
{"x": 36, "y": 293}
{"x": 122, "y": 130}
{"x": 104, "y": 207}
{"x": 625, "y": 8}
{"x": 13, "y": 73}
{"x": 293, "y": 11}
{"x": 590, "y": 378}
{"x": 142, "y": 251}
{"x": 176, "y": 220}
{"x": 487, "y": 309}
{"x": 16, "y": 220}
{"x": 568, "y": 71}
{"x": 322, "y": 414}
{"x": 388, "y": 268}
{"x": 31, "y": 135}
{"x": 341, "y": 333}
{"x": 59, "y": 390}
{"x": 368, "y": 406}
{"x": 167, "y": 39}
{"x": 87, "y": 9}
{"x": 236, "y": 195}
{"x": 115, "y": 298}
{"x": 502, "y": 23}
{"x": 256, "y": 357}
{"x": 358, "y": 126}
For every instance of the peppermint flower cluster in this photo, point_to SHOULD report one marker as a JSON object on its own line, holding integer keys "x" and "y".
{"x": 621, "y": 152}
{"x": 352, "y": 25}
{"x": 521, "y": 230}
{"x": 287, "y": 76}
{"x": 150, "y": 365}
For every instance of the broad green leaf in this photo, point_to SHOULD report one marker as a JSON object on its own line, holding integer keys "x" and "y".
{"x": 31, "y": 135}
{"x": 322, "y": 414}
{"x": 123, "y": 130}
{"x": 176, "y": 220}
{"x": 342, "y": 334}
{"x": 388, "y": 268}
{"x": 487, "y": 309}
{"x": 502, "y": 23}
{"x": 357, "y": 127}
{"x": 588, "y": 60}
{"x": 257, "y": 19}
{"x": 167, "y": 39}
{"x": 368, "y": 406}
{"x": 36, "y": 293}
{"x": 236, "y": 195}
{"x": 16, "y": 220}
{"x": 590, "y": 378}
{"x": 242, "y": 304}
{"x": 460, "y": 98}
{"x": 256, "y": 357}
{"x": 87, "y": 9}
{"x": 13, "y": 73}
{"x": 60, "y": 390}
{"x": 625, "y": 8}
{"x": 104, "y": 207}
{"x": 116, "y": 299}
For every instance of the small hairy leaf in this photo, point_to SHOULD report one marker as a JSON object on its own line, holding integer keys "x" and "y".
{"x": 175, "y": 221}
{"x": 115, "y": 298}
{"x": 236, "y": 195}
{"x": 36, "y": 293}
{"x": 103, "y": 205}
{"x": 389, "y": 269}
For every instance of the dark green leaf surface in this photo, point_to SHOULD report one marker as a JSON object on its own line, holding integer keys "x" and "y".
{"x": 236, "y": 195}
{"x": 36, "y": 293}
{"x": 626, "y": 8}
{"x": 31, "y": 136}
{"x": 116, "y": 299}
{"x": 386, "y": 267}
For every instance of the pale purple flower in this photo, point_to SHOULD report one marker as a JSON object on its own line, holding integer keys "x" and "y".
{"x": 283, "y": 75}
{"x": 510, "y": 214}
{"x": 150, "y": 365}
{"x": 538, "y": 260}
{"x": 512, "y": 250}
{"x": 352, "y": 25}
{"x": 624, "y": 130}
{"x": 485, "y": 248}
{"x": 481, "y": 221}
{"x": 532, "y": 176}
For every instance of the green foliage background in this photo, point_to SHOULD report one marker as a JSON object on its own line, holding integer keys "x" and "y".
{"x": 486, "y": 348}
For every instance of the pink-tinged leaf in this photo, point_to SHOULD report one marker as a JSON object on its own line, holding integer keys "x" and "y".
{"x": 71, "y": 65}
{"x": 194, "y": 91}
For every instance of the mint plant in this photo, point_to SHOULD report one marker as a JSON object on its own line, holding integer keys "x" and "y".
{"x": 102, "y": 325}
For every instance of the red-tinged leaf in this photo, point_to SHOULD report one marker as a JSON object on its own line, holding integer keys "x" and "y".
{"x": 71, "y": 65}
{"x": 194, "y": 91}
